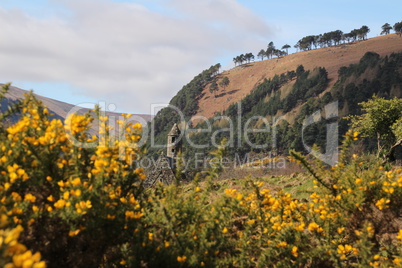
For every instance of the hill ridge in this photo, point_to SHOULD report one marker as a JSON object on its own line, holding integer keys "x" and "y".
{"x": 60, "y": 108}
{"x": 244, "y": 78}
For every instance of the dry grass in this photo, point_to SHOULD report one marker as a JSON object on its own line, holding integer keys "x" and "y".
{"x": 243, "y": 79}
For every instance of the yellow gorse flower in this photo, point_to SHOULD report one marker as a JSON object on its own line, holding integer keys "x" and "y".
{"x": 399, "y": 236}
{"x": 61, "y": 203}
{"x": 181, "y": 258}
{"x": 133, "y": 215}
{"x": 294, "y": 251}
{"x": 381, "y": 204}
{"x": 314, "y": 227}
{"x": 29, "y": 197}
{"x": 83, "y": 206}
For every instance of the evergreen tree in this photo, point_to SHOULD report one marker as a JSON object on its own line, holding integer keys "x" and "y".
{"x": 386, "y": 28}
{"x": 364, "y": 30}
{"x": 213, "y": 87}
{"x": 224, "y": 82}
{"x": 398, "y": 28}
{"x": 286, "y": 47}
{"x": 270, "y": 50}
{"x": 261, "y": 54}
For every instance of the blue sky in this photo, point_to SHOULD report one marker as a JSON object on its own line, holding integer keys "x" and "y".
{"x": 141, "y": 52}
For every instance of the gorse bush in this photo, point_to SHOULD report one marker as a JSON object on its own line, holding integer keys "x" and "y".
{"x": 64, "y": 205}
{"x": 15, "y": 254}
{"x": 76, "y": 206}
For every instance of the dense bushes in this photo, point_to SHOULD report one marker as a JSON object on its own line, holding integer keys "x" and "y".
{"x": 76, "y": 206}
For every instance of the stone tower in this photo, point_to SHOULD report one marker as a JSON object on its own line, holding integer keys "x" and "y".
{"x": 173, "y": 144}
{"x": 164, "y": 168}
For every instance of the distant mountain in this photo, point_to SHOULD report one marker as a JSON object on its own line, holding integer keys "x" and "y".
{"x": 61, "y": 109}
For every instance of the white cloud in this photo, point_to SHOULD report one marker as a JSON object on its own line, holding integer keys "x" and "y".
{"x": 124, "y": 52}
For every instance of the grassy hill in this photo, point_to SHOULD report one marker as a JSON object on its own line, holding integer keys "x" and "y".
{"x": 245, "y": 78}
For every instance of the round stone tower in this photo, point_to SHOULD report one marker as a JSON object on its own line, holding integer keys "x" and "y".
{"x": 173, "y": 144}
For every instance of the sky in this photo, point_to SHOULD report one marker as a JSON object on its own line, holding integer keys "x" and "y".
{"x": 138, "y": 53}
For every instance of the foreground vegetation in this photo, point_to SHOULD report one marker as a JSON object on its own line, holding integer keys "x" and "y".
{"x": 65, "y": 205}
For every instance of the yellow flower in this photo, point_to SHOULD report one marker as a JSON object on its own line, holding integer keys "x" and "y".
{"x": 397, "y": 262}
{"x": 103, "y": 118}
{"x": 76, "y": 182}
{"x": 66, "y": 195}
{"x": 358, "y": 181}
{"x": 281, "y": 244}
{"x": 133, "y": 215}
{"x": 110, "y": 217}
{"x": 294, "y": 251}
{"x": 382, "y": 203}
{"x": 13, "y": 177}
{"x": 340, "y": 230}
{"x": 225, "y": 230}
{"x": 314, "y": 227}
{"x": 74, "y": 233}
{"x": 137, "y": 126}
{"x": 250, "y": 222}
{"x": 29, "y": 197}
{"x": 16, "y": 197}
{"x": 389, "y": 190}
{"x": 181, "y": 258}
{"x": 7, "y": 185}
{"x": 83, "y": 206}
{"x": 399, "y": 236}
{"x": 60, "y": 203}
{"x": 230, "y": 192}
{"x": 347, "y": 249}
{"x": 277, "y": 226}
{"x": 300, "y": 227}
{"x": 370, "y": 229}
{"x": 77, "y": 192}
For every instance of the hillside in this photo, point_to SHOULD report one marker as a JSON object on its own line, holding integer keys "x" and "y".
{"x": 244, "y": 78}
{"x": 61, "y": 109}
{"x": 294, "y": 86}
